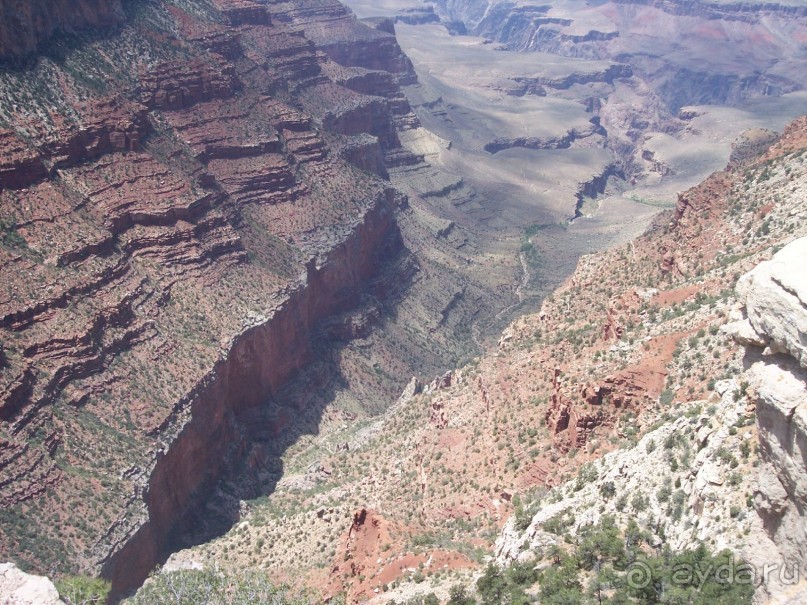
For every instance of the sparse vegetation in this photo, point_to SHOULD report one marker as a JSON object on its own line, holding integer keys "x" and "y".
{"x": 79, "y": 590}
{"x": 196, "y": 587}
{"x": 608, "y": 566}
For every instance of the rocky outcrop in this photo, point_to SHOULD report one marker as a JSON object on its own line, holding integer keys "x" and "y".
{"x": 699, "y": 491}
{"x": 332, "y": 27}
{"x": 774, "y": 303}
{"x": 595, "y": 186}
{"x": 574, "y": 413}
{"x": 108, "y": 125}
{"x": 24, "y": 25}
{"x": 364, "y": 152}
{"x": 417, "y": 16}
{"x": 751, "y": 144}
{"x": 244, "y": 12}
{"x": 561, "y": 142}
{"x": 20, "y": 588}
{"x": 178, "y": 85}
{"x": 527, "y": 27}
{"x": 773, "y": 326}
{"x": 608, "y": 76}
{"x": 685, "y": 86}
{"x": 20, "y": 166}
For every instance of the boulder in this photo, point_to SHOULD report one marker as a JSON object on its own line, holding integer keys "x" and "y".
{"x": 782, "y": 422}
{"x": 770, "y": 497}
{"x": 774, "y": 297}
{"x": 20, "y": 588}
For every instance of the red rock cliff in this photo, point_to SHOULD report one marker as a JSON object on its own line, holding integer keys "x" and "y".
{"x": 154, "y": 228}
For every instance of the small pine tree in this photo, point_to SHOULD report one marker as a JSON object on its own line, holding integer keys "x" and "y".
{"x": 79, "y": 590}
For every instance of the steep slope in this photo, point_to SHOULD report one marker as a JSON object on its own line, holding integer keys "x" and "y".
{"x": 723, "y": 497}
{"x": 693, "y": 478}
{"x": 26, "y": 24}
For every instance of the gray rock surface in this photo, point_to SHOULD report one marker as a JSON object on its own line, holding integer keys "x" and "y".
{"x": 774, "y": 311}
{"x": 20, "y": 588}
{"x": 774, "y": 299}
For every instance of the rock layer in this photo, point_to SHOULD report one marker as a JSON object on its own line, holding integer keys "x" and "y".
{"x": 774, "y": 299}
{"x": 170, "y": 250}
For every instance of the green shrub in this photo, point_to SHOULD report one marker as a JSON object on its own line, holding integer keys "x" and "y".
{"x": 79, "y": 590}
{"x": 458, "y": 596}
{"x": 197, "y": 587}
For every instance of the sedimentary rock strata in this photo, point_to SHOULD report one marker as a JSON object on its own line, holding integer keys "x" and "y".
{"x": 168, "y": 250}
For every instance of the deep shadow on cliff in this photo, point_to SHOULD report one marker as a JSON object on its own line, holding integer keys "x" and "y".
{"x": 231, "y": 448}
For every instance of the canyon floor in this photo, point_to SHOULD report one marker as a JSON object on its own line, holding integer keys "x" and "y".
{"x": 538, "y": 133}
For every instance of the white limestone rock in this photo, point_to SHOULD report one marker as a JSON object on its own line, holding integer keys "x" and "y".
{"x": 706, "y": 481}
{"x": 20, "y": 588}
{"x": 774, "y": 297}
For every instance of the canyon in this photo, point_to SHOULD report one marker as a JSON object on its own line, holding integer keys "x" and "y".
{"x": 624, "y": 380}
{"x": 233, "y": 231}
{"x": 181, "y": 239}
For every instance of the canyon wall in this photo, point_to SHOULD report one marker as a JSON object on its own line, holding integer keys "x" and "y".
{"x": 172, "y": 238}
{"x": 655, "y": 39}
{"x": 751, "y": 11}
{"x": 259, "y": 363}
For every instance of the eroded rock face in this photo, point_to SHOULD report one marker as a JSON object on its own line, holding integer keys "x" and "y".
{"x": 703, "y": 493}
{"x": 20, "y": 588}
{"x": 774, "y": 329}
{"x": 191, "y": 216}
